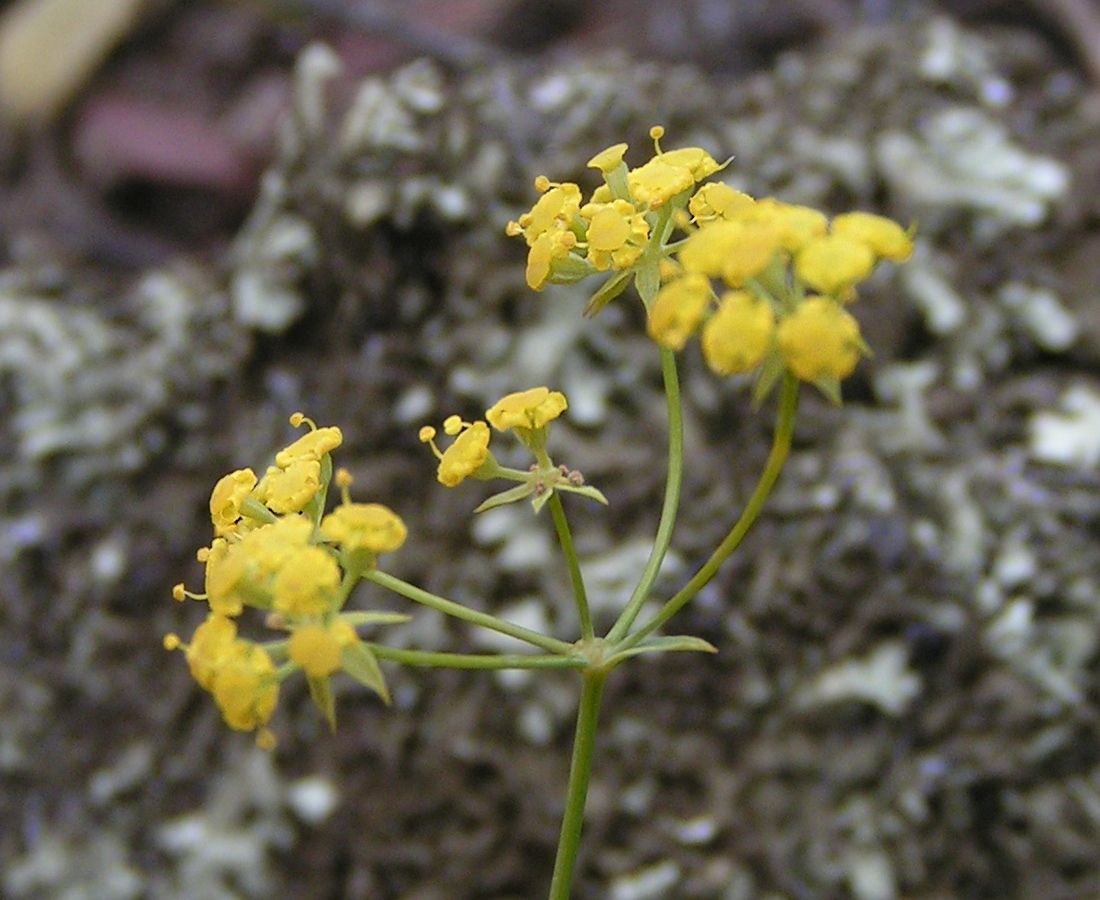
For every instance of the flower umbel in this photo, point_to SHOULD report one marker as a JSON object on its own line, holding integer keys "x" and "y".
{"x": 269, "y": 553}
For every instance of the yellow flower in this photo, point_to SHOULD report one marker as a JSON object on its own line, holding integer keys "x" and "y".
{"x": 546, "y": 249}
{"x": 307, "y": 583}
{"x": 617, "y": 234}
{"x": 209, "y": 648}
{"x": 609, "y": 159}
{"x": 556, "y": 208}
{"x": 530, "y": 409}
{"x": 695, "y": 159}
{"x": 465, "y": 456}
{"x": 736, "y": 339}
{"x": 313, "y": 445}
{"x": 289, "y": 489}
{"x": 245, "y": 687}
{"x": 717, "y": 201}
{"x": 669, "y": 174}
{"x": 657, "y": 182}
{"x": 755, "y": 248}
{"x": 833, "y": 263}
{"x": 707, "y": 249}
{"x": 365, "y": 526}
{"x": 678, "y": 309}
{"x": 317, "y": 648}
{"x": 886, "y": 238}
{"x": 820, "y": 339}
{"x": 793, "y": 225}
{"x": 226, "y": 499}
{"x": 240, "y": 573}
{"x": 224, "y": 571}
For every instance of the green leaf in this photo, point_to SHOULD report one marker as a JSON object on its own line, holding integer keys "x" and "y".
{"x": 538, "y": 501}
{"x": 666, "y": 644}
{"x": 608, "y": 292}
{"x": 830, "y": 387}
{"x": 320, "y": 689}
{"x": 647, "y": 282}
{"x": 770, "y": 372}
{"x": 585, "y": 490}
{"x": 359, "y": 662}
{"x": 519, "y": 492}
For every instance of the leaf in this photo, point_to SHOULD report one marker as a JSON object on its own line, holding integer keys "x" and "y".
{"x": 320, "y": 689}
{"x": 538, "y": 501}
{"x": 830, "y": 387}
{"x": 770, "y": 372}
{"x": 667, "y": 644}
{"x": 647, "y": 282}
{"x": 585, "y": 490}
{"x": 519, "y": 492}
{"x": 359, "y": 662}
{"x": 608, "y": 292}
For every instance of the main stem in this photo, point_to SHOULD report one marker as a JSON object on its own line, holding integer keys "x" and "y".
{"x": 580, "y": 771}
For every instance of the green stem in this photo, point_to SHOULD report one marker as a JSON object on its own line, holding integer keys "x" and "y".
{"x": 781, "y": 445}
{"x": 458, "y": 611}
{"x": 580, "y": 771}
{"x": 673, "y": 483}
{"x": 432, "y": 660}
{"x": 565, "y": 538}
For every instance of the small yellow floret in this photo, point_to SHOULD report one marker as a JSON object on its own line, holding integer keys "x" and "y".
{"x": 314, "y": 445}
{"x": 707, "y": 250}
{"x": 465, "y": 456}
{"x": 884, "y": 236}
{"x": 717, "y": 201}
{"x": 755, "y": 248}
{"x": 306, "y": 584}
{"x": 820, "y": 339}
{"x": 365, "y": 526}
{"x": 678, "y": 309}
{"x": 833, "y": 263}
{"x": 793, "y": 225}
{"x": 210, "y": 647}
{"x": 549, "y": 246}
{"x": 245, "y": 687}
{"x": 315, "y": 649}
{"x": 225, "y": 572}
{"x": 228, "y": 495}
{"x": 657, "y": 182}
{"x": 289, "y": 489}
{"x": 695, "y": 159}
{"x": 553, "y": 210}
{"x": 617, "y": 234}
{"x": 736, "y": 339}
{"x": 530, "y": 409}
{"x": 608, "y": 159}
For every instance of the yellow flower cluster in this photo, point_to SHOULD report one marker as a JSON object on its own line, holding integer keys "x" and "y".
{"x": 786, "y": 271}
{"x": 527, "y": 413}
{"x": 769, "y": 257}
{"x": 570, "y": 239}
{"x": 275, "y": 550}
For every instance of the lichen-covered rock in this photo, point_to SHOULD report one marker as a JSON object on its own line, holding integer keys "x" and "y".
{"x": 926, "y": 535}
